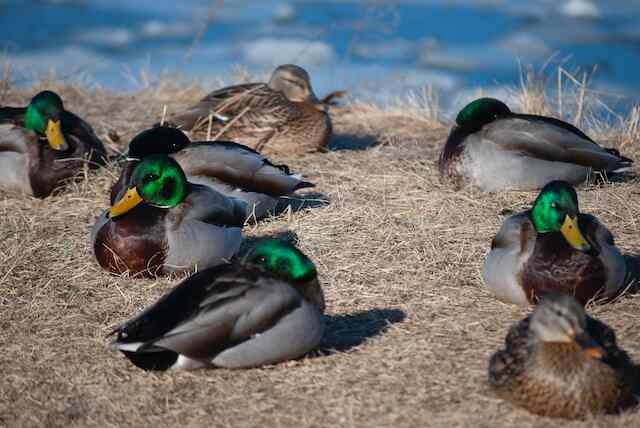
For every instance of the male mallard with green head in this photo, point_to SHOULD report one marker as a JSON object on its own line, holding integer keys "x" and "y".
{"x": 559, "y": 362}
{"x": 43, "y": 144}
{"x": 262, "y": 310}
{"x": 494, "y": 149}
{"x": 163, "y": 223}
{"x": 553, "y": 248}
{"x": 229, "y": 168}
{"x": 283, "y": 115}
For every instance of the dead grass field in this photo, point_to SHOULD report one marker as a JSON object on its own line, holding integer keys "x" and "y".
{"x": 410, "y": 326}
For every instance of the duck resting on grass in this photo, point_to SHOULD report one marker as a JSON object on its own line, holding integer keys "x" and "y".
{"x": 43, "y": 144}
{"x": 229, "y": 168}
{"x": 283, "y": 115}
{"x": 163, "y": 223}
{"x": 265, "y": 309}
{"x": 553, "y": 247}
{"x": 560, "y": 362}
{"x": 494, "y": 149}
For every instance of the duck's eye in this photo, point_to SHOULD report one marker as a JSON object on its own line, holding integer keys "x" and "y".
{"x": 554, "y": 205}
{"x": 261, "y": 259}
{"x": 150, "y": 177}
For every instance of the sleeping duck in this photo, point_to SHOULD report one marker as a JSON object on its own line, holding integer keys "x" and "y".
{"x": 283, "y": 115}
{"x": 553, "y": 248}
{"x": 42, "y": 144}
{"x": 163, "y": 223}
{"x": 560, "y": 362}
{"x": 229, "y": 168}
{"x": 494, "y": 149}
{"x": 262, "y": 310}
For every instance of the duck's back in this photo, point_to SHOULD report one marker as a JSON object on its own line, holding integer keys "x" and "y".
{"x": 238, "y": 166}
{"x": 524, "y": 152}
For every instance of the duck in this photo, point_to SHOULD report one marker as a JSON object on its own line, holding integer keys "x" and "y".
{"x": 553, "y": 247}
{"x": 494, "y": 149}
{"x": 560, "y": 362}
{"x": 281, "y": 116}
{"x": 227, "y": 167}
{"x": 164, "y": 224}
{"x": 262, "y": 309}
{"x": 42, "y": 144}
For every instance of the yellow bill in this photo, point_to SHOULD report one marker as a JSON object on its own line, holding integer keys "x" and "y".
{"x": 54, "y": 135}
{"x": 572, "y": 234}
{"x": 126, "y": 203}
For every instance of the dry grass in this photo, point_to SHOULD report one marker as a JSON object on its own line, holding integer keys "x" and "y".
{"x": 410, "y": 325}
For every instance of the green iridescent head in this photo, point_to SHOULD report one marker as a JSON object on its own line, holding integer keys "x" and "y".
{"x": 480, "y": 112}
{"x": 282, "y": 259}
{"x": 158, "y": 181}
{"x": 43, "y": 117}
{"x": 556, "y": 210}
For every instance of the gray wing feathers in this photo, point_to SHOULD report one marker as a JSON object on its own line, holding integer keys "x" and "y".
{"x": 243, "y": 169}
{"x": 613, "y": 261}
{"x": 15, "y": 139}
{"x": 549, "y": 142}
{"x": 511, "y": 232}
{"x": 240, "y": 315}
{"x": 206, "y": 205}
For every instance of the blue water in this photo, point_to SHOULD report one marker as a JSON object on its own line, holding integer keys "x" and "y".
{"x": 376, "y": 49}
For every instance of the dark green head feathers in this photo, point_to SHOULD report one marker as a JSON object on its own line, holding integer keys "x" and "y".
{"x": 480, "y": 112}
{"x": 283, "y": 260}
{"x": 160, "y": 181}
{"x": 556, "y": 200}
{"x": 556, "y": 210}
{"x": 157, "y": 140}
{"x": 45, "y": 106}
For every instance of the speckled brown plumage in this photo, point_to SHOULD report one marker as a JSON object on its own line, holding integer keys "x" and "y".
{"x": 558, "y": 379}
{"x": 261, "y": 118}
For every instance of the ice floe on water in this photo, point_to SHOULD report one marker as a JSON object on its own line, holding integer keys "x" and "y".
{"x": 273, "y": 51}
{"x": 580, "y": 9}
{"x": 110, "y": 37}
{"x": 381, "y": 47}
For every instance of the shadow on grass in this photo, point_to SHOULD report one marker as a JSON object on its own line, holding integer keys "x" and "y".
{"x": 632, "y": 280}
{"x": 351, "y": 142}
{"x": 345, "y": 332}
{"x": 302, "y": 201}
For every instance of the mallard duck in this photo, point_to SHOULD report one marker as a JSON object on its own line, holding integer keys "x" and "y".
{"x": 559, "y": 362}
{"x": 282, "y": 115}
{"x": 263, "y": 310}
{"x": 553, "y": 248}
{"x": 43, "y": 144}
{"x": 229, "y": 168}
{"x": 494, "y": 149}
{"x": 163, "y": 223}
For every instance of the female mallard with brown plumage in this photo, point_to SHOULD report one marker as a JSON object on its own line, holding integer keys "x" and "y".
{"x": 553, "y": 248}
{"x": 229, "y": 168}
{"x": 283, "y": 115}
{"x": 559, "y": 362}
{"x": 163, "y": 224}
{"x": 43, "y": 144}
{"x": 494, "y": 149}
{"x": 263, "y": 309}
